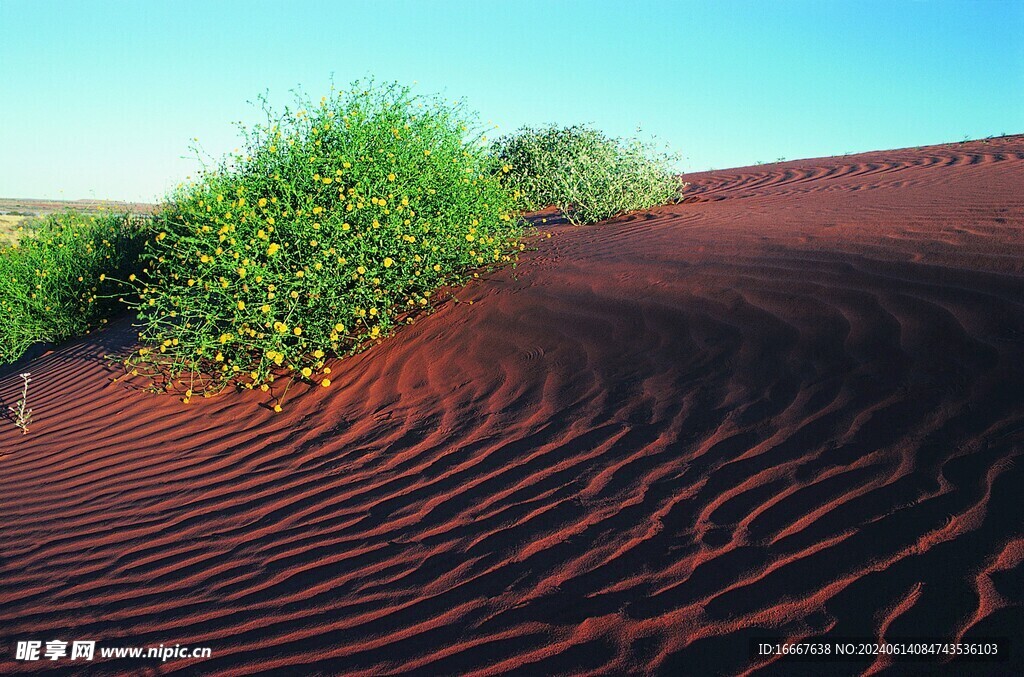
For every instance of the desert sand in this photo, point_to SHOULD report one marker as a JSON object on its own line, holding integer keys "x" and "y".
{"x": 791, "y": 405}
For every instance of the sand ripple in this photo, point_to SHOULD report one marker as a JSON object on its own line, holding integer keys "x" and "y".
{"x": 791, "y": 405}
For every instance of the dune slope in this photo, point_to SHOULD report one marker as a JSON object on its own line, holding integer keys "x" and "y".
{"x": 791, "y": 405}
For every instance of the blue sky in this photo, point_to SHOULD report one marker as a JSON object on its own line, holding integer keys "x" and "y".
{"x": 101, "y": 99}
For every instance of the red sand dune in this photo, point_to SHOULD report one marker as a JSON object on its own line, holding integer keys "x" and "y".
{"x": 792, "y": 405}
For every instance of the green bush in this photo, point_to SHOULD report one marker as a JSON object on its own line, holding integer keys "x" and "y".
{"x": 587, "y": 175}
{"x": 53, "y": 283}
{"x": 334, "y": 223}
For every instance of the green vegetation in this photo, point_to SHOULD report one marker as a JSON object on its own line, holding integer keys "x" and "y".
{"x": 587, "y": 175}
{"x": 335, "y": 223}
{"x": 52, "y": 283}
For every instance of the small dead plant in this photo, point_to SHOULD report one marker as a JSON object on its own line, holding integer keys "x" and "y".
{"x": 20, "y": 409}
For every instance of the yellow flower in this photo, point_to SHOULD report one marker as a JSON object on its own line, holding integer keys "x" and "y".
{"x": 102, "y": 277}
{"x": 265, "y": 308}
{"x": 131, "y": 278}
{"x": 326, "y": 382}
{"x": 391, "y": 177}
{"x": 263, "y": 202}
{"x": 361, "y": 270}
{"x": 224, "y": 338}
{"x": 204, "y": 258}
{"x": 297, "y": 331}
{"x": 327, "y": 370}
{"x": 318, "y": 353}
{"x": 241, "y": 272}
{"x": 277, "y": 408}
{"x": 307, "y": 372}
{"x": 273, "y": 248}
{"x": 388, "y": 262}
{"x": 241, "y": 305}
{"x": 339, "y": 327}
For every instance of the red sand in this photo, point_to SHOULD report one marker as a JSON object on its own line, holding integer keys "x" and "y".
{"x": 791, "y": 405}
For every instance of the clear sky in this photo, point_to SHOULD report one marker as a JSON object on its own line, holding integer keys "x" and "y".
{"x": 101, "y": 98}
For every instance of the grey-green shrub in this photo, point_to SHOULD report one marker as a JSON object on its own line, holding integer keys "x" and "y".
{"x": 587, "y": 175}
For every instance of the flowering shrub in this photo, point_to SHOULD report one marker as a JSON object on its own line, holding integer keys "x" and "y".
{"x": 53, "y": 283}
{"x": 587, "y": 175}
{"x": 332, "y": 225}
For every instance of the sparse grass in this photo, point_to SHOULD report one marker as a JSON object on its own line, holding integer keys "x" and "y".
{"x": 587, "y": 175}
{"x": 52, "y": 284}
{"x": 13, "y": 227}
{"x": 334, "y": 223}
